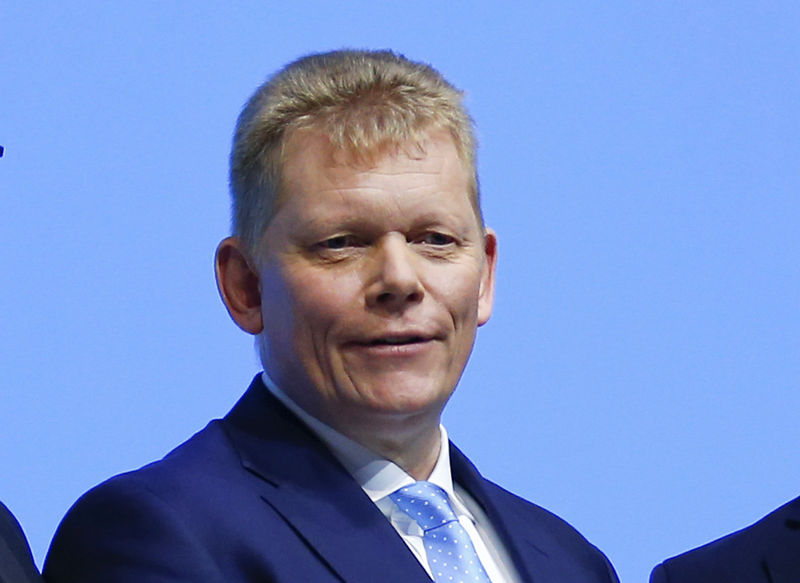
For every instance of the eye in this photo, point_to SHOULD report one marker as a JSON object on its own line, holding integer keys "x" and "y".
{"x": 338, "y": 242}
{"x": 438, "y": 239}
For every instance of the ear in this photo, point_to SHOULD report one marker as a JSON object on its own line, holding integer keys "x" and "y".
{"x": 239, "y": 286}
{"x": 486, "y": 293}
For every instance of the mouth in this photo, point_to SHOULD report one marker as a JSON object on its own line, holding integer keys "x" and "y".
{"x": 408, "y": 339}
{"x": 396, "y": 341}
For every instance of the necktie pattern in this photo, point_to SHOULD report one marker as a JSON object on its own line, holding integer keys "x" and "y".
{"x": 451, "y": 556}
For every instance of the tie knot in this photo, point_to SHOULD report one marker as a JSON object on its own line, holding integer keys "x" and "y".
{"x": 426, "y": 503}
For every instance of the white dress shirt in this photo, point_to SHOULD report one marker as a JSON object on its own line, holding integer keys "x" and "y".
{"x": 379, "y": 477}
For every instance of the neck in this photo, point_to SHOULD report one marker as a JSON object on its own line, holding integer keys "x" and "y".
{"x": 416, "y": 453}
{"x": 410, "y": 440}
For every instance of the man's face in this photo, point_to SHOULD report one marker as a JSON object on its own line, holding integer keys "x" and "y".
{"x": 373, "y": 279}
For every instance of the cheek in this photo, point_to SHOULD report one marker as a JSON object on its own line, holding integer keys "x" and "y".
{"x": 320, "y": 302}
{"x": 459, "y": 293}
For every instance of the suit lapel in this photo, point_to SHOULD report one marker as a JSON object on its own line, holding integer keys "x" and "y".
{"x": 782, "y": 559}
{"x": 306, "y": 485}
{"x": 509, "y": 523}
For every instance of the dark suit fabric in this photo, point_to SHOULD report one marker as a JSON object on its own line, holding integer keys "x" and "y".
{"x": 256, "y": 497}
{"x": 16, "y": 562}
{"x": 766, "y": 552}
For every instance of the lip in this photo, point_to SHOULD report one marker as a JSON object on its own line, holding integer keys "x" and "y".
{"x": 405, "y": 343}
{"x": 408, "y": 350}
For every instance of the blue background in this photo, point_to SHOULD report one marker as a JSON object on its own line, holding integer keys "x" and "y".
{"x": 640, "y": 162}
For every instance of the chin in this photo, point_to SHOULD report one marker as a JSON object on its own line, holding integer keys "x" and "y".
{"x": 406, "y": 397}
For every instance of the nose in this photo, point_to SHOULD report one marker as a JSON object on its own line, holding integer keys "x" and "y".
{"x": 395, "y": 282}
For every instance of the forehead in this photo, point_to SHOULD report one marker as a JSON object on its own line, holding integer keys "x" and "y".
{"x": 414, "y": 187}
{"x": 311, "y": 163}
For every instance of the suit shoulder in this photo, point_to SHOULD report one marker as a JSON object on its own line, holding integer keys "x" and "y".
{"x": 158, "y": 512}
{"x": 547, "y": 520}
{"x": 16, "y": 561}
{"x": 569, "y": 555}
{"x": 550, "y": 534}
{"x": 736, "y": 556}
{"x": 183, "y": 475}
{"x": 725, "y": 559}
{"x": 11, "y": 532}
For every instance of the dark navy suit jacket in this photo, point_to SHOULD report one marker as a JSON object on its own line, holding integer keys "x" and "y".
{"x": 16, "y": 562}
{"x": 766, "y": 552}
{"x": 256, "y": 497}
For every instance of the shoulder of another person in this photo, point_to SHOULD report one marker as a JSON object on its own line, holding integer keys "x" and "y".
{"x": 738, "y": 556}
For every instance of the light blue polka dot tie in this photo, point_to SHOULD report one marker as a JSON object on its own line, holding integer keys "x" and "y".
{"x": 451, "y": 556}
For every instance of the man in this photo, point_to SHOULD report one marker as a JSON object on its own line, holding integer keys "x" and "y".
{"x": 765, "y": 552}
{"x": 16, "y": 562}
{"x": 361, "y": 263}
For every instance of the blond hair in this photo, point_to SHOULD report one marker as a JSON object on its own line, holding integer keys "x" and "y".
{"x": 363, "y": 101}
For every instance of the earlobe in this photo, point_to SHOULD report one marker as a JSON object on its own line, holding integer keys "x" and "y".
{"x": 486, "y": 292}
{"x": 238, "y": 285}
